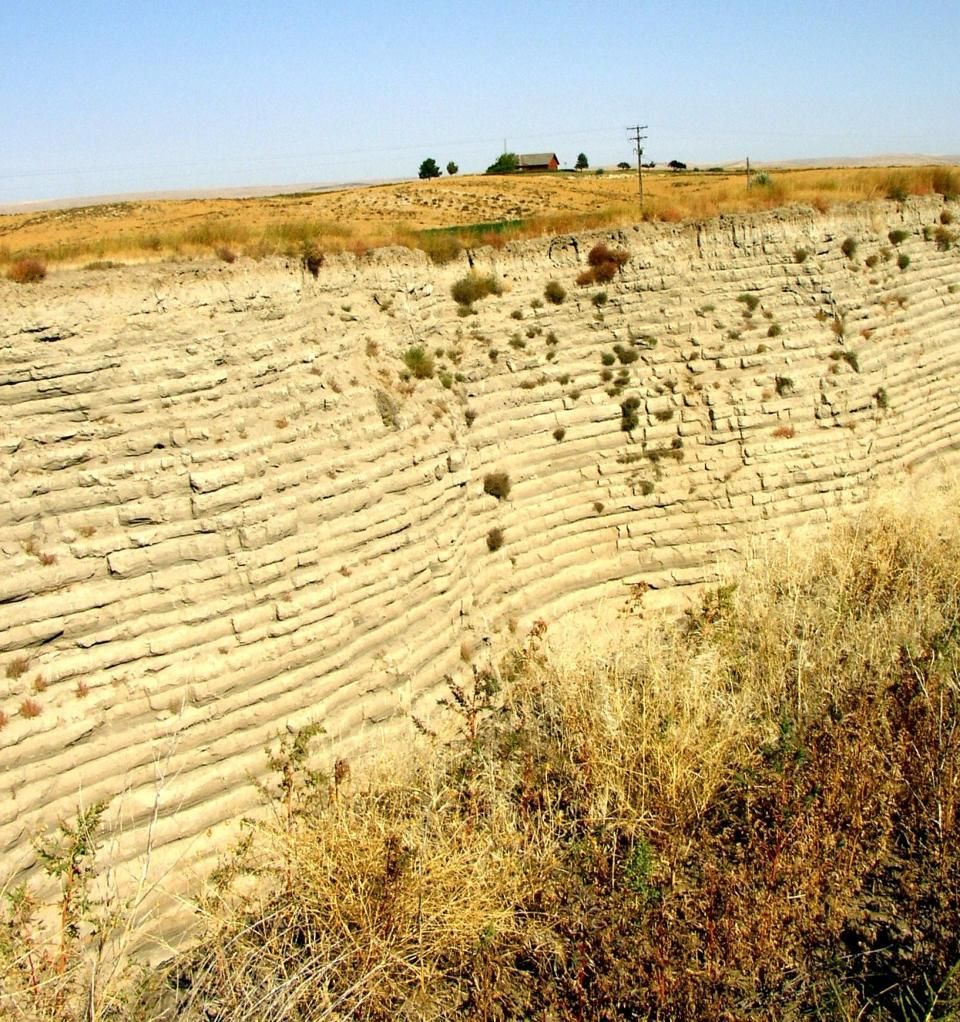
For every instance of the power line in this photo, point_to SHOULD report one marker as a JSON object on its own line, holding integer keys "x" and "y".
{"x": 637, "y": 139}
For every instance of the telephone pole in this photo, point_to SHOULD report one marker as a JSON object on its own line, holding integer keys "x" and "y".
{"x": 637, "y": 139}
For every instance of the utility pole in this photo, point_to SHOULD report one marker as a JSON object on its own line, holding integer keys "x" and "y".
{"x": 637, "y": 139}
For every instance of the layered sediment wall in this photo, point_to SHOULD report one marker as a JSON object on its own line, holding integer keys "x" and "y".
{"x": 228, "y": 508}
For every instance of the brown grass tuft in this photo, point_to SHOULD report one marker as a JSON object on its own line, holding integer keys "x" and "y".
{"x": 27, "y": 271}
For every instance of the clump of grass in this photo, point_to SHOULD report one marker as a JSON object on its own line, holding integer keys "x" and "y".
{"x": 903, "y": 260}
{"x": 774, "y": 330}
{"x": 419, "y": 361}
{"x": 555, "y": 292}
{"x": 882, "y": 398}
{"x": 751, "y": 301}
{"x": 871, "y": 261}
{"x": 850, "y": 357}
{"x": 441, "y": 247}
{"x": 945, "y": 239}
{"x": 849, "y": 247}
{"x": 27, "y": 271}
{"x": 599, "y": 299}
{"x": 473, "y": 287}
{"x": 897, "y": 236}
{"x": 30, "y": 708}
{"x": 629, "y": 419}
{"x": 17, "y": 667}
{"x": 497, "y": 484}
{"x": 626, "y": 354}
{"x": 495, "y": 539}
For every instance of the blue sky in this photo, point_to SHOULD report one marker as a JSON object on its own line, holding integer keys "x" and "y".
{"x": 102, "y": 96}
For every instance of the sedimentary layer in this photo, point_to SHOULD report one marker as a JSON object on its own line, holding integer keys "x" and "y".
{"x": 230, "y": 508}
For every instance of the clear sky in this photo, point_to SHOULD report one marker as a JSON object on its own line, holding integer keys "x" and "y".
{"x": 106, "y": 96}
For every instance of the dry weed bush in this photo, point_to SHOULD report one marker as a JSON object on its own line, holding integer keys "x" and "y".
{"x": 27, "y": 271}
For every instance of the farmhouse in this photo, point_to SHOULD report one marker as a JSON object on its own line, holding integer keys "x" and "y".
{"x": 538, "y": 161}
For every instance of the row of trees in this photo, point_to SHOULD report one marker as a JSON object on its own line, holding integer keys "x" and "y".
{"x": 430, "y": 169}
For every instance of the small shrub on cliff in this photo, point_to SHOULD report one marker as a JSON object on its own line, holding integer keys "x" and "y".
{"x": 903, "y": 260}
{"x": 751, "y": 301}
{"x": 944, "y": 238}
{"x": 604, "y": 264}
{"x": 475, "y": 286}
{"x": 494, "y": 539}
{"x": 312, "y": 260}
{"x": 555, "y": 292}
{"x": 27, "y": 271}
{"x": 419, "y": 361}
{"x": 602, "y": 254}
{"x": 849, "y": 247}
{"x": 629, "y": 420}
{"x": 388, "y": 409}
{"x": 800, "y": 255}
{"x": 897, "y": 237}
{"x": 497, "y": 484}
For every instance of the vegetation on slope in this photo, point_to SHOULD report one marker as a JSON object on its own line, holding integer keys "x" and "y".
{"x": 747, "y": 812}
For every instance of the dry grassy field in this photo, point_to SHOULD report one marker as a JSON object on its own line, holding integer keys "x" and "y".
{"x": 438, "y": 216}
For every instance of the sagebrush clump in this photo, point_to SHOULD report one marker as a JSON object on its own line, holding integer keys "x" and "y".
{"x": 497, "y": 484}
{"x": 473, "y": 287}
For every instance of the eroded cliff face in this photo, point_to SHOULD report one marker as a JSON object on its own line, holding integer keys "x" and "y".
{"x": 224, "y": 512}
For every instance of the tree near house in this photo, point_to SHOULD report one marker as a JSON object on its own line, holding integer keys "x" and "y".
{"x": 506, "y": 163}
{"x": 582, "y": 162}
{"x": 429, "y": 169}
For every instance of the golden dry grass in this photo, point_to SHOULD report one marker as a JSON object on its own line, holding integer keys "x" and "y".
{"x": 618, "y": 793}
{"x": 358, "y": 219}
